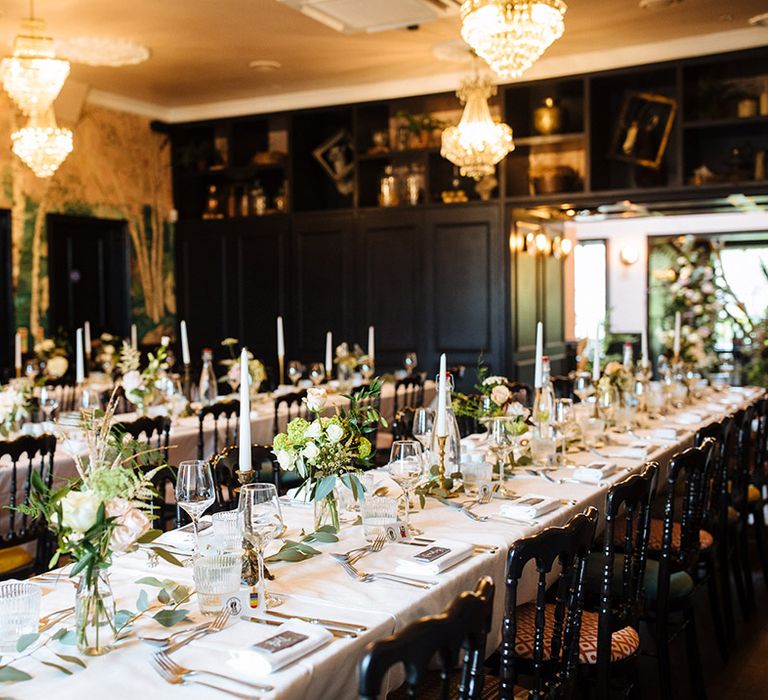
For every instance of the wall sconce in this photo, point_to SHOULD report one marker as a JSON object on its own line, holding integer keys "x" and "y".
{"x": 561, "y": 247}
{"x": 533, "y": 239}
{"x": 629, "y": 254}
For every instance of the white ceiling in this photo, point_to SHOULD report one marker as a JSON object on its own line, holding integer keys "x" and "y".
{"x": 201, "y": 50}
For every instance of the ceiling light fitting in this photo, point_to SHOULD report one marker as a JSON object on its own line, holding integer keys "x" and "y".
{"x": 42, "y": 145}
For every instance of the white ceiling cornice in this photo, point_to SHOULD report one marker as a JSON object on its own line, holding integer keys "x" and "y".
{"x": 588, "y": 62}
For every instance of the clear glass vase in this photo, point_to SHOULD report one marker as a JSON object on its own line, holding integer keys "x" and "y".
{"x": 327, "y": 512}
{"x": 95, "y": 614}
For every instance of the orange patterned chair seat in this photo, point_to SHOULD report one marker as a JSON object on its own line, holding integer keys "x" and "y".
{"x": 656, "y": 535}
{"x": 624, "y": 642}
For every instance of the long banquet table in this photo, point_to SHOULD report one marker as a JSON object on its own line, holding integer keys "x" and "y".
{"x": 319, "y": 586}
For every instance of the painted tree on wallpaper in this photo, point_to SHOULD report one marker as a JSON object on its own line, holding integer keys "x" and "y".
{"x": 119, "y": 169}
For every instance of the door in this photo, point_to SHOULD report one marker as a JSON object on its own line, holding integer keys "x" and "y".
{"x": 89, "y": 274}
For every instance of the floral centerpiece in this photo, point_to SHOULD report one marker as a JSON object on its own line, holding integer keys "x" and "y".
{"x": 14, "y": 407}
{"x": 103, "y": 511}
{"x": 692, "y": 345}
{"x": 347, "y": 361}
{"x": 52, "y": 357}
{"x": 330, "y": 451}
{"x": 139, "y": 385}
{"x": 108, "y": 353}
{"x": 617, "y": 376}
{"x": 256, "y": 369}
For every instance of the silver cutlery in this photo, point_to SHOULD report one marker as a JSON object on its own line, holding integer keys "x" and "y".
{"x": 180, "y": 680}
{"x": 319, "y": 621}
{"x": 358, "y": 553}
{"x": 542, "y": 474}
{"x": 335, "y": 631}
{"x": 164, "y": 641}
{"x": 218, "y": 624}
{"x": 384, "y": 576}
{"x": 178, "y": 670}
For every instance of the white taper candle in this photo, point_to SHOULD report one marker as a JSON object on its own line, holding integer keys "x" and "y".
{"x": 441, "y": 424}
{"x": 134, "y": 337}
{"x": 79, "y": 362}
{"x": 596, "y": 356}
{"x": 539, "y": 355}
{"x": 371, "y": 344}
{"x": 184, "y": 344}
{"x": 328, "y": 353}
{"x": 87, "y": 337}
{"x": 17, "y": 353}
{"x": 280, "y": 338}
{"x": 244, "y": 455}
{"x": 644, "y": 349}
{"x": 676, "y": 344}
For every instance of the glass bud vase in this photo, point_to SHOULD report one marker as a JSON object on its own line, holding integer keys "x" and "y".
{"x": 95, "y": 614}
{"x": 327, "y": 512}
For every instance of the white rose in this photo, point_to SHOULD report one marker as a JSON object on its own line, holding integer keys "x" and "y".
{"x": 79, "y": 509}
{"x": 335, "y": 432}
{"x": 310, "y": 451}
{"x": 500, "y": 395}
{"x": 57, "y": 367}
{"x": 131, "y": 524}
{"x": 316, "y": 399}
{"x": 284, "y": 459}
{"x": 314, "y": 431}
{"x": 516, "y": 409}
{"x": 131, "y": 380}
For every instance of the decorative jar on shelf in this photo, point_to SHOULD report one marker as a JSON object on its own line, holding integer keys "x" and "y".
{"x": 549, "y": 118}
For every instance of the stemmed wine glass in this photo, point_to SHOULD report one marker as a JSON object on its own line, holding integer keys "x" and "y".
{"x": 423, "y": 420}
{"x": 582, "y": 385}
{"x": 317, "y": 373}
{"x": 564, "y": 418}
{"x": 295, "y": 370}
{"x": 195, "y": 491}
{"x": 410, "y": 362}
{"x": 48, "y": 403}
{"x": 406, "y": 467}
{"x": 501, "y": 443}
{"x": 367, "y": 369}
{"x": 261, "y": 521}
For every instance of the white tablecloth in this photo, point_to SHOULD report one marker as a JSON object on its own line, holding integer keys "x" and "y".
{"x": 319, "y": 586}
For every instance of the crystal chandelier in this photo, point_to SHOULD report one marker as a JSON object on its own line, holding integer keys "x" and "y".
{"x": 511, "y": 35}
{"x": 477, "y": 143}
{"x": 33, "y": 76}
{"x": 41, "y": 144}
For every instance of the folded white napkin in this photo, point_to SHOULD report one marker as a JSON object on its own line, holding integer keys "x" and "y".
{"x": 669, "y": 434}
{"x": 716, "y": 407}
{"x": 529, "y": 507}
{"x": 632, "y": 452}
{"x": 241, "y": 641}
{"x": 183, "y": 538}
{"x": 594, "y": 472}
{"x": 685, "y": 418}
{"x": 437, "y": 557}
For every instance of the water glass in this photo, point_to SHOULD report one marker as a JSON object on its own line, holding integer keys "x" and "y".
{"x": 227, "y": 532}
{"x": 378, "y": 512}
{"x": 406, "y": 466}
{"x": 19, "y": 612}
{"x": 543, "y": 448}
{"x": 423, "y": 420}
{"x": 217, "y": 579}
{"x": 295, "y": 370}
{"x": 410, "y": 362}
{"x": 564, "y": 419}
{"x": 477, "y": 476}
{"x": 592, "y": 431}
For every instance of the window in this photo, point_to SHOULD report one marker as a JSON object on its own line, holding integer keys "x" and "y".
{"x": 590, "y": 294}
{"x": 743, "y": 270}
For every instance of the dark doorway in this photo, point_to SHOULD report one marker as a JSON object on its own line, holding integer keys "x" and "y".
{"x": 6, "y": 296}
{"x": 89, "y": 274}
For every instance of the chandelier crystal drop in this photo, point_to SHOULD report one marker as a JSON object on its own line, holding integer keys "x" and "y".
{"x": 33, "y": 76}
{"x": 42, "y": 145}
{"x": 511, "y": 35}
{"x": 477, "y": 143}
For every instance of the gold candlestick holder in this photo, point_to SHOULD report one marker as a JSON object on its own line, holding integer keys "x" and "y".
{"x": 187, "y": 381}
{"x": 250, "y": 569}
{"x": 281, "y": 371}
{"x": 441, "y": 439}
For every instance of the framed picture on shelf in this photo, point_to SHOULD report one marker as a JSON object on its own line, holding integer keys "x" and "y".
{"x": 643, "y": 130}
{"x": 336, "y": 157}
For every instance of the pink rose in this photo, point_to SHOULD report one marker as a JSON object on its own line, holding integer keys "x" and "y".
{"x": 500, "y": 395}
{"x": 131, "y": 524}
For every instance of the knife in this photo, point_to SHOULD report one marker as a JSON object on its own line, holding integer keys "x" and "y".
{"x": 276, "y": 623}
{"x": 319, "y": 621}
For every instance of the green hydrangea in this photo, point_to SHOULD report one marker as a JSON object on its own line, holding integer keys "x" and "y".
{"x": 518, "y": 427}
{"x": 108, "y": 483}
{"x": 280, "y": 442}
{"x": 363, "y": 447}
{"x": 296, "y": 429}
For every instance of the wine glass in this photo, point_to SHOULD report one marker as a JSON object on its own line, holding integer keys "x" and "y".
{"x": 582, "y": 385}
{"x": 195, "y": 491}
{"x": 423, "y": 420}
{"x": 410, "y": 362}
{"x": 295, "y": 370}
{"x": 317, "y": 373}
{"x": 406, "y": 467}
{"x": 501, "y": 443}
{"x": 367, "y": 369}
{"x": 261, "y": 521}
{"x": 564, "y": 418}
{"x": 31, "y": 369}
{"x": 48, "y": 403}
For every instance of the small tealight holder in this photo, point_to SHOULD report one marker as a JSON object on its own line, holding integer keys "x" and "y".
{"x": 19, "y": 612}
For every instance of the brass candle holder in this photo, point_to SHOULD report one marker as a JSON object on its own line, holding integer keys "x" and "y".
{"x": 441, "y": 439}
{"x": 250, "y": 569}
{"x": 281, "y": 371}
{"x": 187, "y": 381}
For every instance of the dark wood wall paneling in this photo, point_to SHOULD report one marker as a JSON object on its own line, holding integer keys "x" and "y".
{"x": 7, "y": 324}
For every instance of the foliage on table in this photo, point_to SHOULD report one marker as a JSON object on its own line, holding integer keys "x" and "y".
{"x": 293, "y": 550}
{"x": 256, "y": 369}
{"x": 104, "y": 510}
{"x": 331, "y": 450}
{"x": 14, "y": 406}
{"x": 51, "y": 353}
{"x": 139, "y": 385}
{"x": 494, "y": 398}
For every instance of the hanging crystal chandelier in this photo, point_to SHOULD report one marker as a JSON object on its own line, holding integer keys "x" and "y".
{"x": 33, "y": 76}
{"x": 42, "y": 145}
{"x": 511, "y": 35}
{"x": 477, "y": 143}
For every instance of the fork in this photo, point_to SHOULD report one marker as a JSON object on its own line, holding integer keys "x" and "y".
{"x": 178, "y": 670}
{"x": 180, "y": 680}
{"x": 354, "y": 555}
{"x": 218, "y": 624}
{"x": 368, "y": 577}
{"x": 163, "y": 641}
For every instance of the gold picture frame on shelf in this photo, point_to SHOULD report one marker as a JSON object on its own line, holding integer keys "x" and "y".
{"x": 642, "y": 133}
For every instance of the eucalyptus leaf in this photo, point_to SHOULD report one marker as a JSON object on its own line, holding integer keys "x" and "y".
{"x": 72, "y": 660}
{"x": 58, "y": 667}
{"x": 168, "y": 618}
{"x": 180, "y": 593}
{"x": 325, "y": 487}
{"x": 322, "y": 537}
{"x": 164, "y": 596}
{"x": 151, "y": 581}
{"x": 142, "y": 602}
{"x": 26, "y": 640}
{"x": 9, "y": 674}
{"x": 149, "y": 536}
{"x": 121, "y": 619}
{"x": 165, "y": 554}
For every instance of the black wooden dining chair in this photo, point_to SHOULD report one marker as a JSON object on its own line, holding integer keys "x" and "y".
{"x": 402, "y": 425}
{"x": 540, "y": 639}
{"x": 522, "y": 393}
{"x": 679, "y": 550}
{"x": 27, "y": 454}
{"x": 616, "y": 579}
{"x": 409, "y": 392}
{"x": 757, "y": 497}
{"x": 563, "y": 387}
{"x": 458, "y": 634}
{"x": 223, "y": 415}
{"x": 287, "y": 407}
{"x": 151, "y": 443}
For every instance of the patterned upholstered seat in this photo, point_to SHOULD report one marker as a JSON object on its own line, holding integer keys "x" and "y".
{"x": 656, "y": 535}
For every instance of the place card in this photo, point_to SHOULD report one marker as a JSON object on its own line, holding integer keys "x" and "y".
{"x": 594, "y": 472}
{"x": 438, "y": 557}
{"x": 529, "y": 507}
